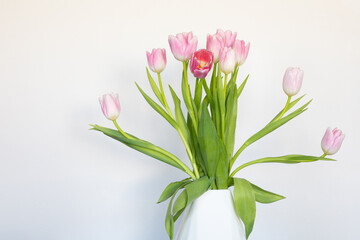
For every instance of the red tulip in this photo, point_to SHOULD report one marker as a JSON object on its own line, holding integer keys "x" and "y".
{"x": 201, "y": 63}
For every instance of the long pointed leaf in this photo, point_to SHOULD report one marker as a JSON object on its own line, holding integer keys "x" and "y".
{"x": 180, "y": 202}
{"x": 189, "y": 103}
{"x": 192, "y": 191}
{"x": 263, "y": 196}
{"x": 245, "y": 203}
{"x": 291, "y": 104}
{"x": 169, "y": 221}
{"x": 274, "y": 125}
{"x": 221, "y": 104}
{"x": 172, "y": 188}
{"x": 198, "y": 93}
{"x": 180, "y": 119}
{"x": 230, "y": 126}
{"x": 268, "y": 129}
{"x": 208, "y": 142}
{"x": 241, "y": 87}
{"x": 289, "y": 159}
{"x": 154, "y": 87}
{"x": 157, "y": 108}
{"x": 197, "y": 188}
{"x": 143, "y": 146}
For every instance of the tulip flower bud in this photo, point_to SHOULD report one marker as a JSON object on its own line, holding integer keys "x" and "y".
{"x": 156, "y": 60}
{"x": 228, "y": 36}
{"x": 292, "y": 81}
{"x": 241, "y": 51}
{"x": 332, "y": 140}
{"x": 214, "y": 44}
{"x": 110, "y": 105}
{"x": 183, "y": 45}
{"x": 227, "y": 60}
{"x": 201, "y": 63}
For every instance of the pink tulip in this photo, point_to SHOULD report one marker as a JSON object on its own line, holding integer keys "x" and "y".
{"x": 228, "y": 36}
{"x": 214, "y": 44}
{"x": 156, "y": 60}
{"x": 110, "y": 105}
{"x": 292, "y": 81}
{"x": 241, "y": 51}
{"x": 183, "y": 45}
{"x": 201, "y": 63}
{"x": 332, "y": 141}
{"x": 227, "y": 60}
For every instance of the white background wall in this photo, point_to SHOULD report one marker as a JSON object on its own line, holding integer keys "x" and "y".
{"x": 60, "y": 181}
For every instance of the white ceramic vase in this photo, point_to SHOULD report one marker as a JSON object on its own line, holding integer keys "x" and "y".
{"x": 211, "y": 217}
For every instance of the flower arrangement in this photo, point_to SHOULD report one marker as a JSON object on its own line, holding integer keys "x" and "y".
{"x": 208, "y": 129}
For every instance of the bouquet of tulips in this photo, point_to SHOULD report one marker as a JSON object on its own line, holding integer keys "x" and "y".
{"x": 207, "y": 129}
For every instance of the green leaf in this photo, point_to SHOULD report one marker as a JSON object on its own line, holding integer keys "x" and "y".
{"x": 222, "y": 169}
{"x": 198, "y": 93}
{"x": 213, "y": 82}
{"x": 192, "y": 191}
{"x": 245, "y": 203}
{"x": 230, "y": 119}
{"x": 157, "y": 108}
{"x": 209, "y": 96}
{"x": 292, "y": 159}
{"x": 274, "y": 125}
{"x": 169, "y": 218}
{"x": 213, "y": 150}
{"x": 216, "y": 114}
{"x": 154, "y": 87}
{"x": 197, "y": 188}
{"x": 289, "y": 159}
{"x": 291, "y": 104}
{"x": 268, "y": 129}
{"x": 221, "y": 104}
{"x": 180, "y": 119}
{"x": 240, "y": 89}
{"x": 263, "y": 196}
{"x": 180, "y": 202}
{"x": 178, "y": 214}
{"x": 172, "y": 188}
{"x": 142, "y": 146}
{"x": 208, "y": 142}
{"x": 189, "y": 103}
{"x": 169, "y": 221}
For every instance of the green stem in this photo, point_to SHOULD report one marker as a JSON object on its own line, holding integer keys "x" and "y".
{"x": 225, "y": 83}
{"x": 188, "y": 151}
{"x": 243, "y": 166}
{"x": 163, "y": 96}
{"x": 191, "y": 109}
{"x": 120, "y": 130}
{"x": 214, "y": 79}
{"x": 261, "y": 160}
{"x": 285, "y": 109}
{"x": 237, "y": 154}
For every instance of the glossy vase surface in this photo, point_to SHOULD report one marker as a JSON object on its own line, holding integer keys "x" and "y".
{"x": 211, "y": 216}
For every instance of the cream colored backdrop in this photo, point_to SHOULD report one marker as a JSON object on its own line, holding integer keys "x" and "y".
{"x": 60, "y": 181}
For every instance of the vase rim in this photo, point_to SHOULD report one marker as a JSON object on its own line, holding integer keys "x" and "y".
{"x": 218, "y": 191}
